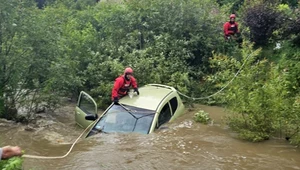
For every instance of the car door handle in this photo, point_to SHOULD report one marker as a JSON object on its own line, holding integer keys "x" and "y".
{"x": 78, "y": 113}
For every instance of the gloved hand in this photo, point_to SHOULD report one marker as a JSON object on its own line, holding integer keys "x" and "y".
{"x": 137, "y": 91}
{"x": 116, "y": 100}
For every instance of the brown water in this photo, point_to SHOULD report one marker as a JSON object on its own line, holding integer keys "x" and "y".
{"x": 184, "y": 145}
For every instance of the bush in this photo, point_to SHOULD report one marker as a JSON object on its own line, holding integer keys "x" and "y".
{"x": 253, "y": 136}
{"x": 262, "y": 20}
{"x": 260, "y": 97}
{"x": 202, "y": 117}
{"x": 14, "y": 163}
{"x": 293, "y": 31}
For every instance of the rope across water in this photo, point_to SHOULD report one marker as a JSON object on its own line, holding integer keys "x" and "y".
{"x": 59, "y": 157}
{"x": 236, "y": 74}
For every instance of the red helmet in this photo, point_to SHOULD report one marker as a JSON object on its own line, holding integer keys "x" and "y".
{"x": 232, "y": 16}
{"x": 128, "y": 70}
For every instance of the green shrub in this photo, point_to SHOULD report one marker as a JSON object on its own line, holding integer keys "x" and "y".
{"x": 14, "y": 163}
{"x": 202, "y": 117}
{"x": 253, "y": 136}
{"x": 261, "y": 96}
{"x": 262, "y": 19}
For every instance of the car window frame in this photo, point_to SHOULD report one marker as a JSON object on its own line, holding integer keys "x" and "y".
{"x": 164, "y": 101}
{"x": 89, "y": 133}
{"x": 177, "y": 104}
{"x": 160, "y": 113}
{"x": 81, "y": 96}
{"x": 81, "y": 111}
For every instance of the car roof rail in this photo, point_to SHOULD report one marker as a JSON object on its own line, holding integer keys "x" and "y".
{"x": 163, "y": 86}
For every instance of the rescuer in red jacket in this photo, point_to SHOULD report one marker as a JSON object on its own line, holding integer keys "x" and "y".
{"x": 230, "y": 27}
{"x": 122, "y": 85}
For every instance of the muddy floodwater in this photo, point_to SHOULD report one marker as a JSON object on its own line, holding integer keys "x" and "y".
{"x": 183, "y": 145}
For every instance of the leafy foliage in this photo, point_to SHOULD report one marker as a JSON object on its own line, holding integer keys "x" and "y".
{"x": 68, "y": 46}
{"x": 262, "y": 19}
{"x": 161, "y": 46}
{"x": 14, "y": 163}
{"x": 292, "y": 3}
{"x": 292, "y": 32}
{"x": 202, "y": 117}
{"x": 259, "y": 98}
{"x": 71, "y": 46}
{"x": 235, "y": 5}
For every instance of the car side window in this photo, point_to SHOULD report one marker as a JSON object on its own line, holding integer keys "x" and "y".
{"x": 86, "y": 104}
{"x": 174, "y": 104}
{"x": 165, "y": 115}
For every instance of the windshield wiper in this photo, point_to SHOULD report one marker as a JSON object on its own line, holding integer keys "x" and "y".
{"x": 100, "y": 131}
{"x": 146, "y": 115}
{"x": 129, "y": 111}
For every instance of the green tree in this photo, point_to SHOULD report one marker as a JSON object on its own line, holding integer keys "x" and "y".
{"x": 12, "y": 53}
{"x": 164, "y": 41}
{"x": 28, "y": 42}
{"x": 260, "y": 96}
{"x": 262, "y": 19}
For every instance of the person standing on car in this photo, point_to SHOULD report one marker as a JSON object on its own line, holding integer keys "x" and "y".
{"x": 7, "y": 152}
{"x": 122, "y": 85}
{"x": 230, "y": 27}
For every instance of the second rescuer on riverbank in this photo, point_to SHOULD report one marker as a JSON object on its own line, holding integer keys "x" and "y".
{"x": 230, "y": 27}
{"x": 122, "y": 85}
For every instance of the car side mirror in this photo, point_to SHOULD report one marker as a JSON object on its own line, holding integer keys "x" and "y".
{"x": 91, "y": 117}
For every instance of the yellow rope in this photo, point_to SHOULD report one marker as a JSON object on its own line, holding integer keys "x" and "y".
{"x": 59, "y": 157}
{"x": 235, "y": 75}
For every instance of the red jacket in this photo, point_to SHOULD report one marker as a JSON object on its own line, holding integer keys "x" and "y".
{"x": 230, "y": 28}
{"x": 121, "y": 86}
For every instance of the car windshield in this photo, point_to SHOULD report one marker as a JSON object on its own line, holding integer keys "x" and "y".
{"x": 122, "y": 118}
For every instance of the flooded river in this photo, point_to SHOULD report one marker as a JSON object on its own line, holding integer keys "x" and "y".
{"x": 184, "y": 145}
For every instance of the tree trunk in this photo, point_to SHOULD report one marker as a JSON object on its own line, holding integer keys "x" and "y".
{"x": 1, "y": 102}
{"x": 1, "y": 75}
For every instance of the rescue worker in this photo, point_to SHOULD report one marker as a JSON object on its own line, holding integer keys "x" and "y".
{"x": 230, "y": 27}
{"x": 122, "y": 85}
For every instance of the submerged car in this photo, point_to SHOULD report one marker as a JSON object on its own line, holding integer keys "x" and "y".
{"x": 157, "y": 104}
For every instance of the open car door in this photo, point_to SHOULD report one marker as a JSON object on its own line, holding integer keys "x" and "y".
{"x": 86, "y": 105}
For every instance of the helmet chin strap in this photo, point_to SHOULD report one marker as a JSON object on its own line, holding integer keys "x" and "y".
{"x": 126, "y": 76}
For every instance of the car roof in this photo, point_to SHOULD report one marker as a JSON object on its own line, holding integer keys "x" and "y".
{"x": 150, "y": 97}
